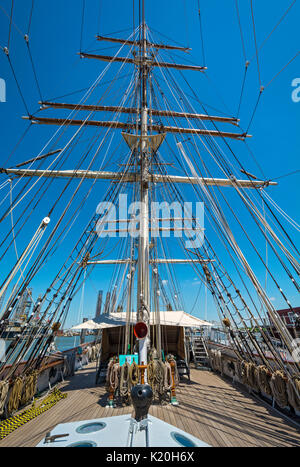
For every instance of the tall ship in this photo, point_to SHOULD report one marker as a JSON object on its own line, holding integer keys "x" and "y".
{"x": 139, "y": 201}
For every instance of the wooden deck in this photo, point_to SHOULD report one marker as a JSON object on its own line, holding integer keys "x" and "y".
{"x": 210, "y": 408}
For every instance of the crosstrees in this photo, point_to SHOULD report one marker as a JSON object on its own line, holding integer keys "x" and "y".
{"x": 135, "y": 61}
{"x": 137, "y": 43}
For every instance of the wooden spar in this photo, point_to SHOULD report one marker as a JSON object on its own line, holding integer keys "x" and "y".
{"x": 158, "y": 229}
{"x": 197, "y": 131}
{"x": 131, "y": 110}
{"x": 107, "y": 58}
{"x": 151, "y": 261}
{"x": 131, "y": 164}
{"x": 94, "y": 108}
{"x": 132, "y": 177}
{"x": 248, "y": 174}
{"x": 135, "y": 61}
{"x": 88, "y": 174}
{"x": 112, "y": 261}
{"x": 180, "y": 261}
{"x": 132, "y": 126}
{"x": 137, "y": 43}
{"x": 43, "y": 156}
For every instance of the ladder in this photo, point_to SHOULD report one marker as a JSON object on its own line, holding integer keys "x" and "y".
{"x": 200, "y": 353}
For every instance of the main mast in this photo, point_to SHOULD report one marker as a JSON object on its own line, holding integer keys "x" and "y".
{"x": 143, "y": 298}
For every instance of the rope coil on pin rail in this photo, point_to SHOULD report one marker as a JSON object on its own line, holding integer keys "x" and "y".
{"x": 114, "y": 376}
{"x": 293, "y": 392}
{"x": 156, "y": 374}
{"x": 251, "y": 369}
{"x": 263, "y": 379}
{"x": 279, "y": 388}
{"x": 14, "y": 396}
{"x": 29, "y": 387}
{"x": 134, "y": 373}
{"x": 168, "y": 376}
{"x": 109, "y": 369}
{"x": 125, "y": 383}
{"x": 4, "y": 388}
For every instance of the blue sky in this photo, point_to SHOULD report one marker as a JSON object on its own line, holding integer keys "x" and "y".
{"x": 55, "y": 38}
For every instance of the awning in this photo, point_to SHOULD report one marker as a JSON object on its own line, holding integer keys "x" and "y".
{"x": 167, "y": 318}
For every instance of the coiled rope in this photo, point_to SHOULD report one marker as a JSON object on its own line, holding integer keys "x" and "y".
{"x": 294, "y": 394}
{"x": 251, "y": 371}
{"x": 278, "y": 385}
{"x": 4, "y": 388}
{"x": 156, "y": 377}
{"x": 238, "y": 369}
{"x": 114, "y": 376}
{"x": 125, "y": 384}
{"x": 285, "y": 391}
{"x": 109, "y": 369}
{"x": 215, "y": 357}
{"x": 29, "y": 388}
{"x": 134, "y": 373}
{"x": 14, "y": 396}
{"x": 263, "y": 379}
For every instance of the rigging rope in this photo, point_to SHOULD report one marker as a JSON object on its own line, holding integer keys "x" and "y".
{"x": 255, "y": 108}
{"x": 278, "y": 385}
{"x": 201, "y": 34}
{"x": 30, "y": 18}
{"x": 242, "y": 90}
{"x": 276, "y": 26}
{"x": 282, "y": 69}
{"x": 10, "y": 23}
{"x": 255, "y": 41}
{"x": 241, "y": 31}
{"x": 17, "y": 82}
{"x": 82, "y": 24}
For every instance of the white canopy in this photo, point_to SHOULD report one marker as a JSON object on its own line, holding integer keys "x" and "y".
{"x": 167, "y": 318}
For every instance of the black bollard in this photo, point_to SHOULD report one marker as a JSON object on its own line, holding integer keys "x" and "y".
{"x": 141, "y": 396}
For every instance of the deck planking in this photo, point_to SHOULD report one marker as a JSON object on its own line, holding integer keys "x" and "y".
{"x": 211, "y": 408}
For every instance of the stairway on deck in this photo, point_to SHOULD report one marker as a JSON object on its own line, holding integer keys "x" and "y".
{"x": 200, "y": 353}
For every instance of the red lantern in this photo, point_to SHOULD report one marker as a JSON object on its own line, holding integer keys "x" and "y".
{"x": 140, "y": 330}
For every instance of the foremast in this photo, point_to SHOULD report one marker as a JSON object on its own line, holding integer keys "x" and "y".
{"x": 143, "y": 297}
